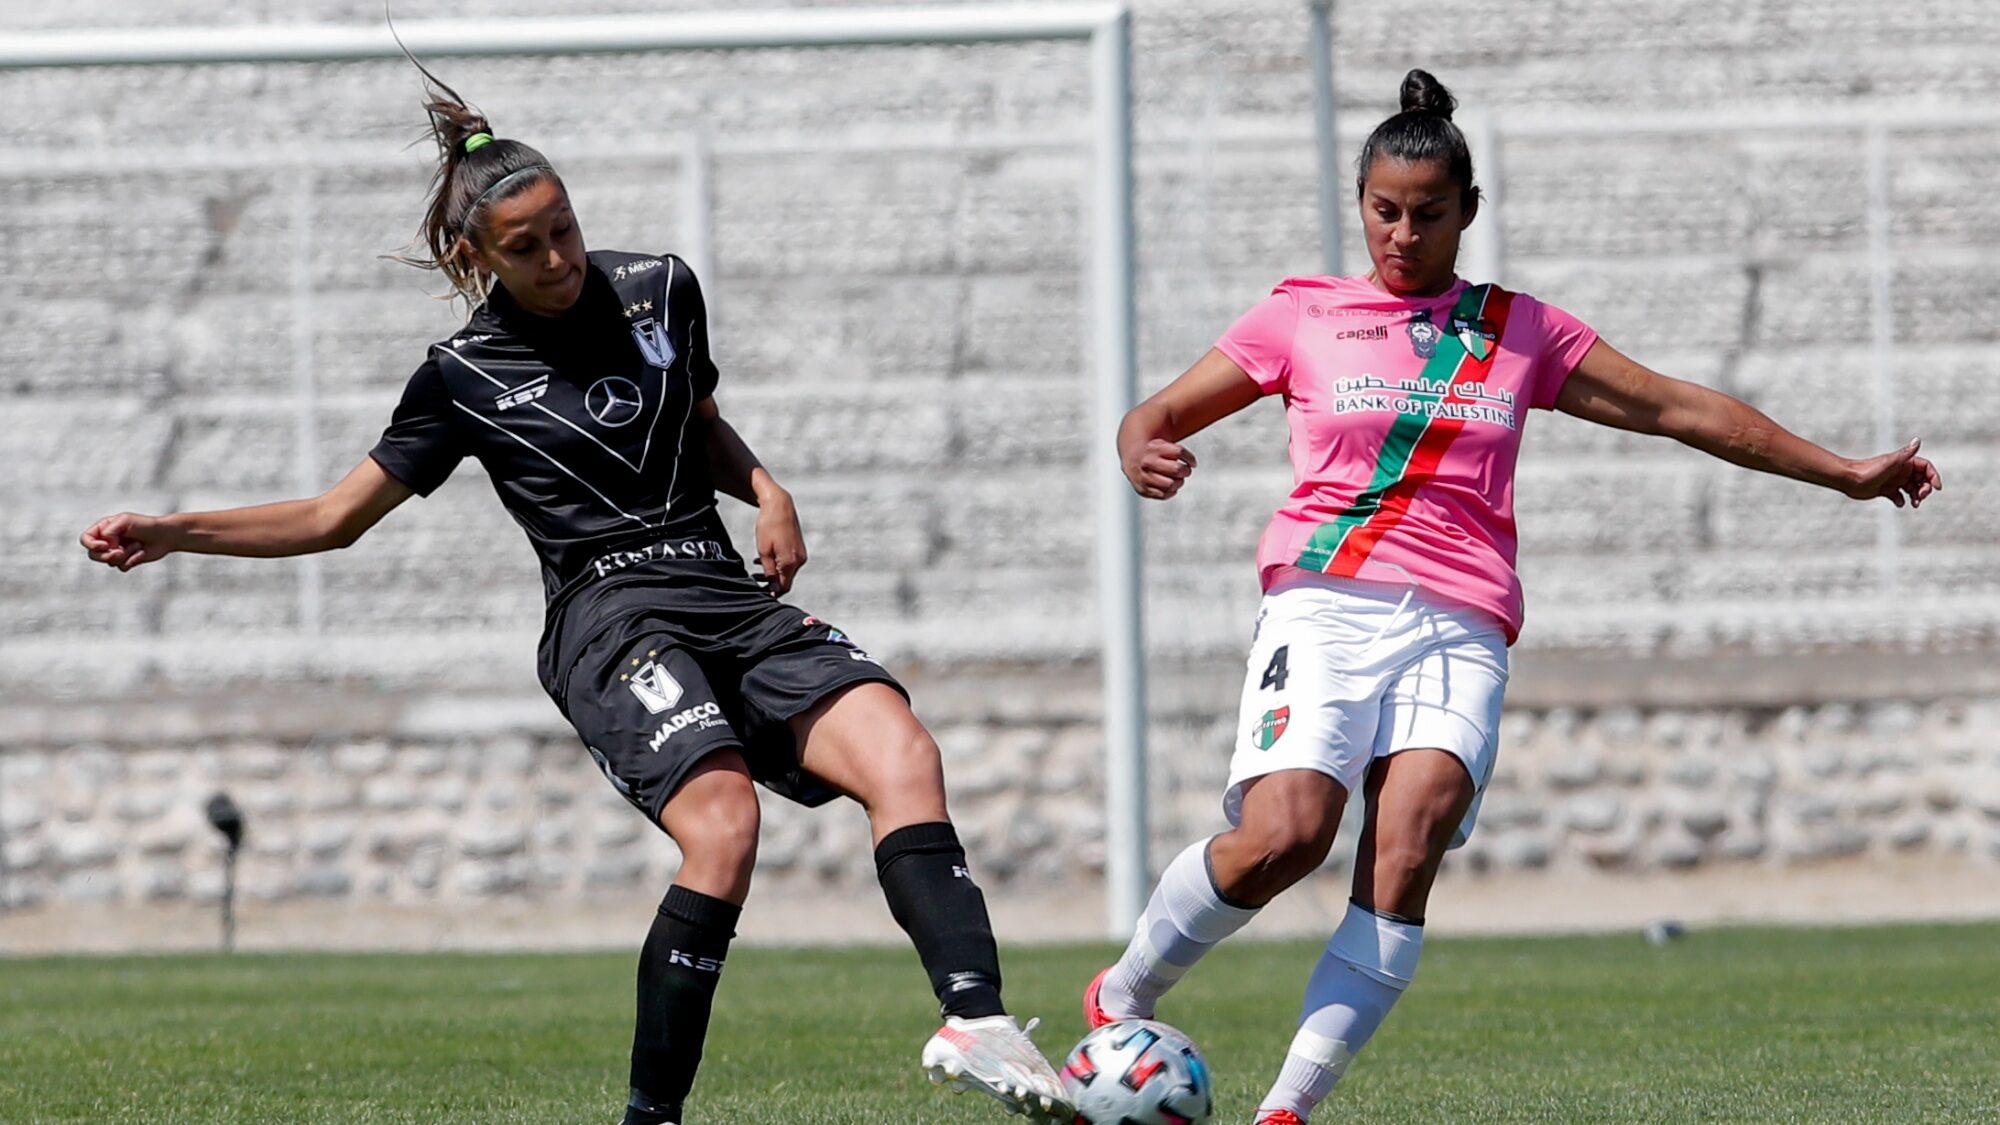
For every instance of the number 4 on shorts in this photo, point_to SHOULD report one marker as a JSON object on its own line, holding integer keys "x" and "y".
{"x": 1276, "y": 672}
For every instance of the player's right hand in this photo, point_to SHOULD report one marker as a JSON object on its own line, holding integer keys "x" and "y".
{"x": 125, "y": 540}
{"x": 1160, "y": 469}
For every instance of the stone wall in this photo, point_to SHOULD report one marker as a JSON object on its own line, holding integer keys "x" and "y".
{"x": 194, "y": 312}
{"x": 458, "y": 810}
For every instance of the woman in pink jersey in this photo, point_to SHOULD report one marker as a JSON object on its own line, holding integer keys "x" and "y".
{"x": 1390, "y": 596}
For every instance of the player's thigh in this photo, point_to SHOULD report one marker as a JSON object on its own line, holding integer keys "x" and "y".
{"x": 864, "y": 740}
{"x": 1416, "y": 799}
{"x": 1450, "y": 700}
{"x": 712, "y": 813}
{"x": 648, "y": 715}
{"x": 1311, "y": 699}
{"x": 1291, "y": 812}
{"x": 816, "y": 698}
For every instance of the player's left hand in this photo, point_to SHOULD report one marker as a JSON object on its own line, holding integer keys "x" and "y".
{"x": 1900, "y": 476}
{"x": 781, "y": 543}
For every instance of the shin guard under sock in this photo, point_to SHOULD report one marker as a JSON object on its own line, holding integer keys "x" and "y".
{"x": 679, "y": 968}
{"x": 1184, "y": 919}
{"x": 1366, "y": 968}
{"x": 932, "y": 896}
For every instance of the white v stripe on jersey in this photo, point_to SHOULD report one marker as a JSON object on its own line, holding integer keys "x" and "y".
{"x": 551, "y": 460}
{"x": 659, "y": 408}
{"x": 666, "y": 324}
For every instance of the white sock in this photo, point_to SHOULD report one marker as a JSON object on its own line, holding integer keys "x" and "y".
{"x": 1363, "y": 972}
{"x": 1184, "y": 919}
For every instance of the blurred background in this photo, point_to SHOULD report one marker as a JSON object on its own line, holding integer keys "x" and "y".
{"x": 1735, "y": 697}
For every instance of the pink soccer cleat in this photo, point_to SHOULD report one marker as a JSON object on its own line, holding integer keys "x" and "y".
{"x": 1094, "y": 1015}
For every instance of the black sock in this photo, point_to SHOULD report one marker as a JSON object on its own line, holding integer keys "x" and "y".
{"x": 679, "y": 968}
{"x": 932, "y": 896}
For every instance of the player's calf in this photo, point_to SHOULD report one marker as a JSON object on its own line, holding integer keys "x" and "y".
{"x": 1186, "y": 916}
{"x": 713, "y": 817}
{"x": 1365, "y": 969}
{"x": 679, "y": 969}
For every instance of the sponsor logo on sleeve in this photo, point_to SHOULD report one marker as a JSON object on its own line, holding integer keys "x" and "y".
{"x": 634, "y": 269}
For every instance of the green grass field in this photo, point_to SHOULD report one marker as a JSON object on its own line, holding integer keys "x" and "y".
{"x": 1886, "y": 1024}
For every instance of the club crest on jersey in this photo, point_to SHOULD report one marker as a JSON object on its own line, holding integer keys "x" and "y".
{"x": 1477, "y": 335}
{"x": 1271, "y": 727}
{"x": 655, "y": 687}
{"x": 1424, "y": 335}
{"x": 654, "y": 343}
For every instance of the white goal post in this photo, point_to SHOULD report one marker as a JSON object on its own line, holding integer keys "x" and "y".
{"x": 1113, "y": 315}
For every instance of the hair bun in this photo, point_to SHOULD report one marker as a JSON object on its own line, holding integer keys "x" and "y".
{"x": 1423, "y": 93}
{"x": 471, "y": 125}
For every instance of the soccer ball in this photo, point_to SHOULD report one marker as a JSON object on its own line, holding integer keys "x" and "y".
{"x": 1138, "y": 1072}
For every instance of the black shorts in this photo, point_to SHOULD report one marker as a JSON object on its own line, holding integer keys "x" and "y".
{"x": 708, "y": 670}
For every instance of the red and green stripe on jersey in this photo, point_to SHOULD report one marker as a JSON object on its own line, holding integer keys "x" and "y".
{"x": 1416, "y": 442}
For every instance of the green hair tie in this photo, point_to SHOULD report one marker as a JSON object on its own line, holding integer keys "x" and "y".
{"x": 477, "y": 141}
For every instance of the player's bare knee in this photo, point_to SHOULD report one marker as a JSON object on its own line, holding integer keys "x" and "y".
{"x": 1403, "y": 866}
{"x": 722, "y": 834}
{"x": 1285, "y": 852}
{"x": 913, "y": 762}
{"x": 905, "y": 773}
{"x": 735, "y": 826}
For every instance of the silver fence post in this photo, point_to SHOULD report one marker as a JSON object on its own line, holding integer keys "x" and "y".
{"x": 1119, "y": 584}
{"x": 1330, "y": 192}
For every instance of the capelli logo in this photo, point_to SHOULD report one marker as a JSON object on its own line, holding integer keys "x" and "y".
{"x": 1379, "y": 332}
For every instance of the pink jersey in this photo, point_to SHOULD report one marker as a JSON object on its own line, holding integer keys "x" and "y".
{"x": 1405, "y": 418}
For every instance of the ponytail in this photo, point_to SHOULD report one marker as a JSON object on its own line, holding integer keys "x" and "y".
{"x": 474, "y": 170}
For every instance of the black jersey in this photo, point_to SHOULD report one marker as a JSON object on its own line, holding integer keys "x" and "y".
{"x": 586, "y": 425}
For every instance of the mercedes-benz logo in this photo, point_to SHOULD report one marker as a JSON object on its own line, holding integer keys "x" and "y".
{"x": 613, "y": 401}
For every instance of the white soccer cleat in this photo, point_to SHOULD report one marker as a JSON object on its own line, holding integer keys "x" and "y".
{"x": 994, "y": 1055}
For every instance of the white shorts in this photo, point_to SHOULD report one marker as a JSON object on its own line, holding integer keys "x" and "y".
{"x": 1342, "y": 673}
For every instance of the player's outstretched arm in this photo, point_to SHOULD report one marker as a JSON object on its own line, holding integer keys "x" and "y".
{"x": 1612, "y": 390}
{"x": 781, "y": 542}
{"x": 1149, "y": 440}
{"x": 335, "y": 518}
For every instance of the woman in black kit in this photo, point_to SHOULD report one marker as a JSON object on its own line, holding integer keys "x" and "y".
{"x": 583, "y": 383}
